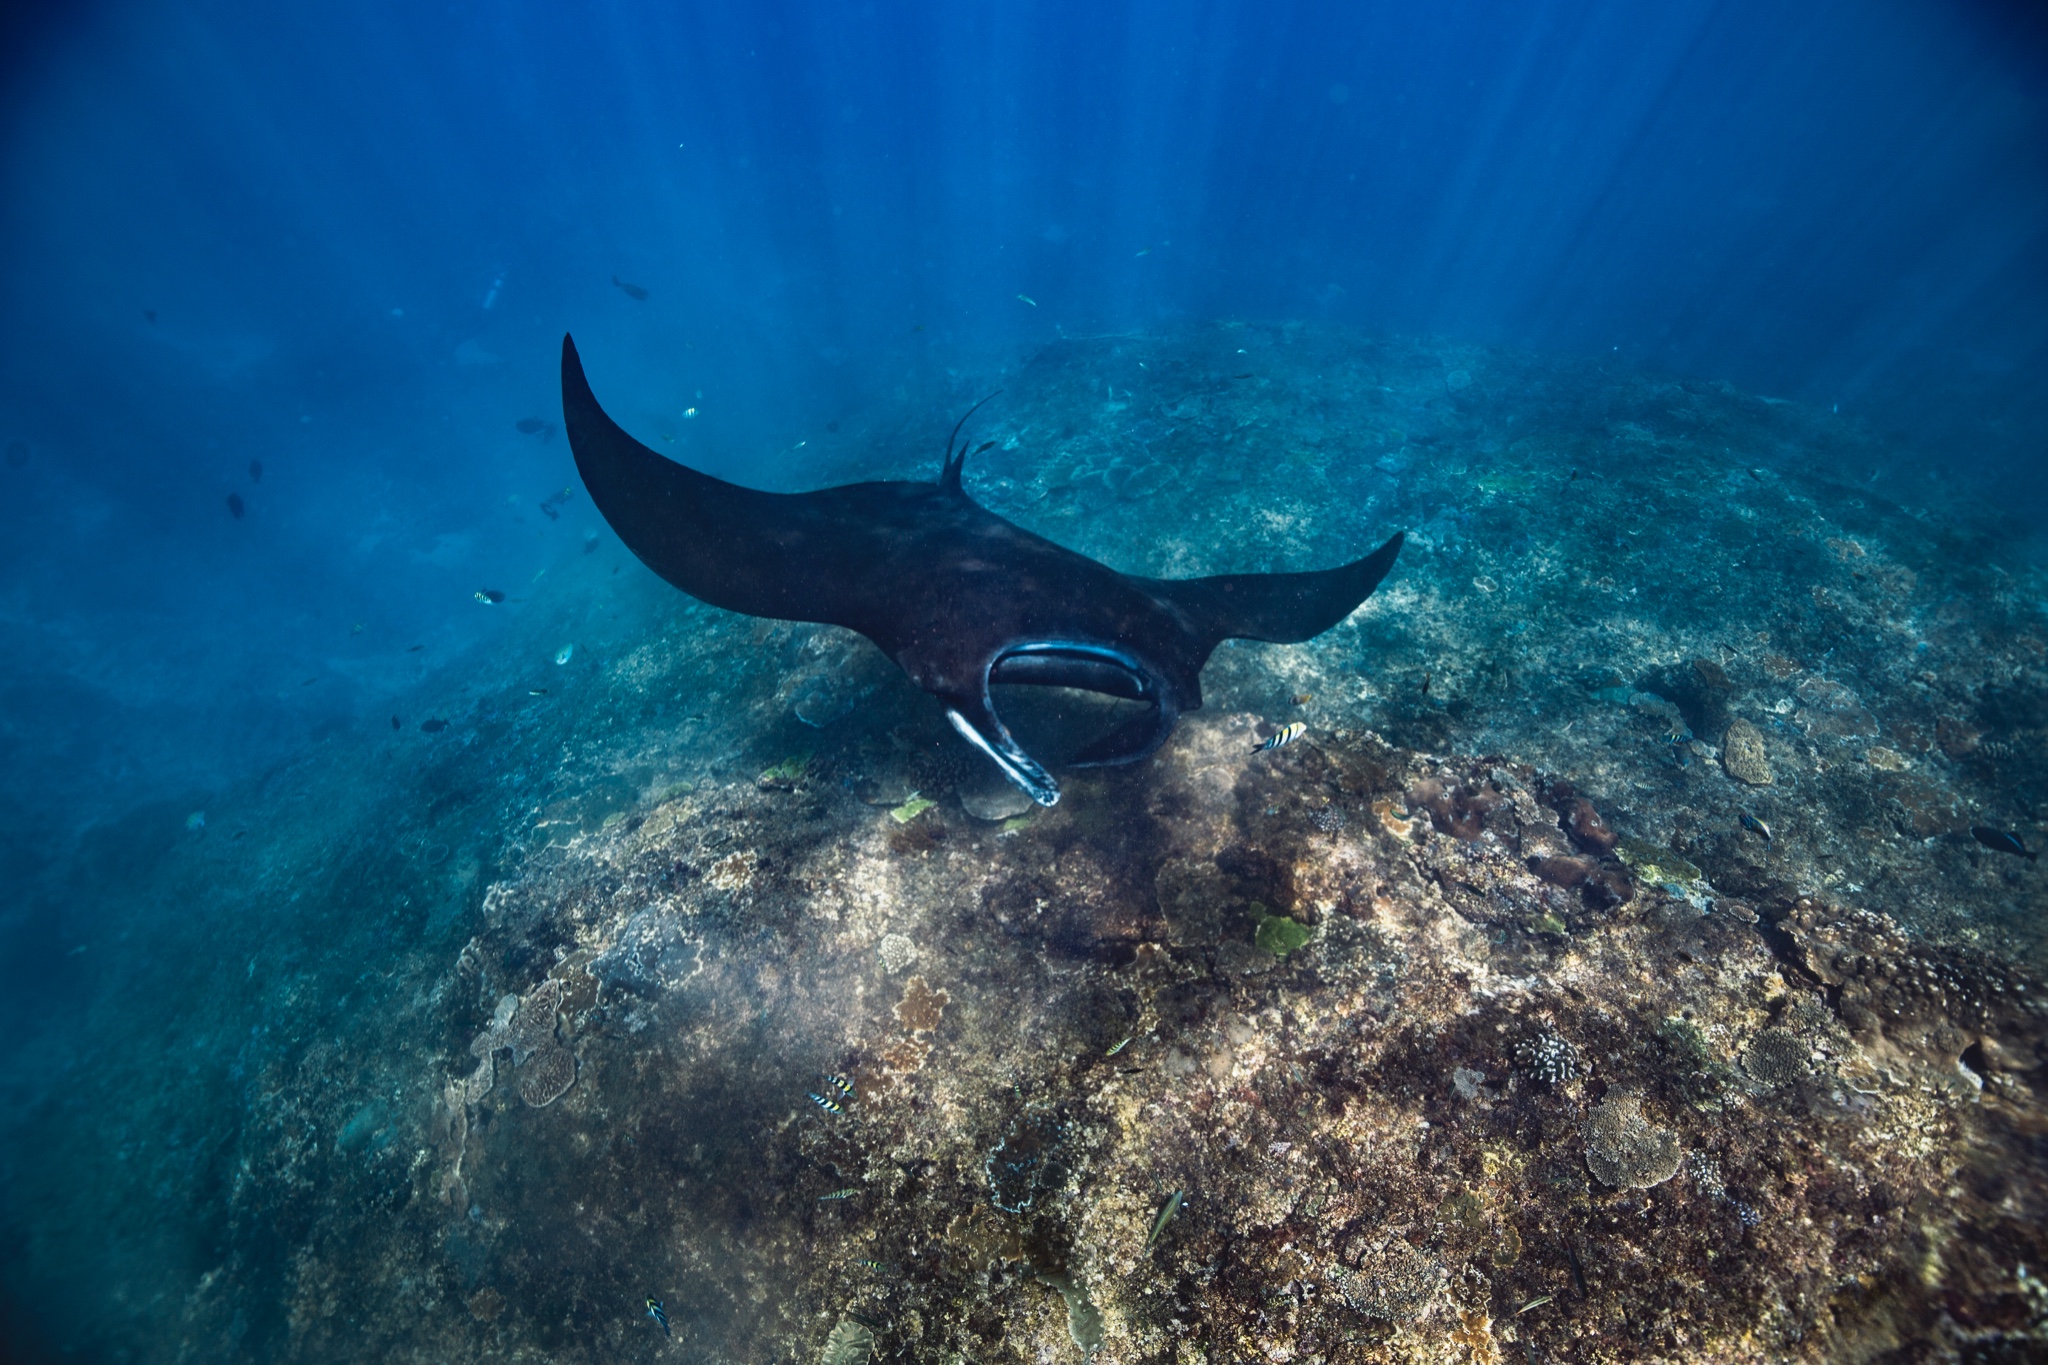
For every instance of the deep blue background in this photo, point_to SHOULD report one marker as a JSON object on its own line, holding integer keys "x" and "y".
{"x": 1837, "y": 202}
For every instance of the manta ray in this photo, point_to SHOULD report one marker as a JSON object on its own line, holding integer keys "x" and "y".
{"x": 959, "y": 597}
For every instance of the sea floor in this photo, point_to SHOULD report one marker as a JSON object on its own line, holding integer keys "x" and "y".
{"x": 1609, "y": 974}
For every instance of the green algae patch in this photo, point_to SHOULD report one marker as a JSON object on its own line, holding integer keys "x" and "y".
{"x": 789, "y": 770}
{"x": 911, "y": 809}
{"x": 1659, "y": 866}
{"x": 1016, "y": 824}
{"x": 1279, "y": 935}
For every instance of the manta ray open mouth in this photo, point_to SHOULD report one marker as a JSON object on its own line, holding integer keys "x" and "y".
{"x": 959, "y": 597}
{"x": 1104, "y": 669}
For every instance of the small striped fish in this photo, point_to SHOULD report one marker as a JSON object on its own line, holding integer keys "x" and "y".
{"x": 841, "y": 1084}
{"x": 837, "y": 1194}
{"x": 1285, "y": 735}
{"x": 829, "y": 1106}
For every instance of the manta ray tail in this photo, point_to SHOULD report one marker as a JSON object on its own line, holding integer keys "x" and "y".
{"x": 1283, "y": 608}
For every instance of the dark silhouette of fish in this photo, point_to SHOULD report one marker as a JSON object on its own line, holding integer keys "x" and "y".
{"x": 957, "y": 596}
{"x": 2002, "y": 841}
{"x": 530, "y": 425}
{"x": 434, "y": 726}
{"x": 236, "y": 507}
{"x": 631, "y": 291}
{"x": 255, "y": 471}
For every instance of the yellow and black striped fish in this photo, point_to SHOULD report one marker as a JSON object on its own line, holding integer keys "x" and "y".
{"x": 829, "y": 1106}
{"x": 1285, "y": 735}
{"x": 841, "y": 1084}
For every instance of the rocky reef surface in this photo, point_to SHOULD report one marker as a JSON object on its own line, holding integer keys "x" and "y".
{"x": 1609, "y": 974}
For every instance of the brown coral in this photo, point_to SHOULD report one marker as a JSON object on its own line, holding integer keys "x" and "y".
{"x": 1394, "y": 1283}
{"x": 546, "y": 1076}
{"x": 1587, "y": 829}
{"x": 533, "y": 1028}
{"x": 1776, "y": 1057}
{"x": 1622, "y": 1148}
{"x": 904, "y": 1056}
{"x": 1742, "y": 755}
{"x": 479, "y": 1082}
{"x": 921, "y": 1007}
{"x": 493, "y": 1036}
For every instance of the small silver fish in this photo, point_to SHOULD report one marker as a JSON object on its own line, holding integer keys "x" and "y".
{"x": 1026, "y": 298}
{"x": 1165, "y": 1216}
{"x": 1536, "y": 1302}
{"x": 1285, "y": 735}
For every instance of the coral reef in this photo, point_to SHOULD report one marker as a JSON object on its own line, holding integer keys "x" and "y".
{"x": 1742, "y": 754}
{"x": 1562, "y": 1060}
{"x": 1624, "y": 1150}
{"x": 549, "y": 1073}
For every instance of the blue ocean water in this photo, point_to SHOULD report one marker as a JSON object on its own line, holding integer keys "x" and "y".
{"x": 285, "y": 472}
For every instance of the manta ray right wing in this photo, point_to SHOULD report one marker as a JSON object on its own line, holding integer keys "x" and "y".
{"x": 1280, "y": 608}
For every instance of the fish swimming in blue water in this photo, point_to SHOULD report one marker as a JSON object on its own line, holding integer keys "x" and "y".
{"x": 659, "y": 1314}
{"x": 1282, "y": 737}
{"x": 2000, "y": 840}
